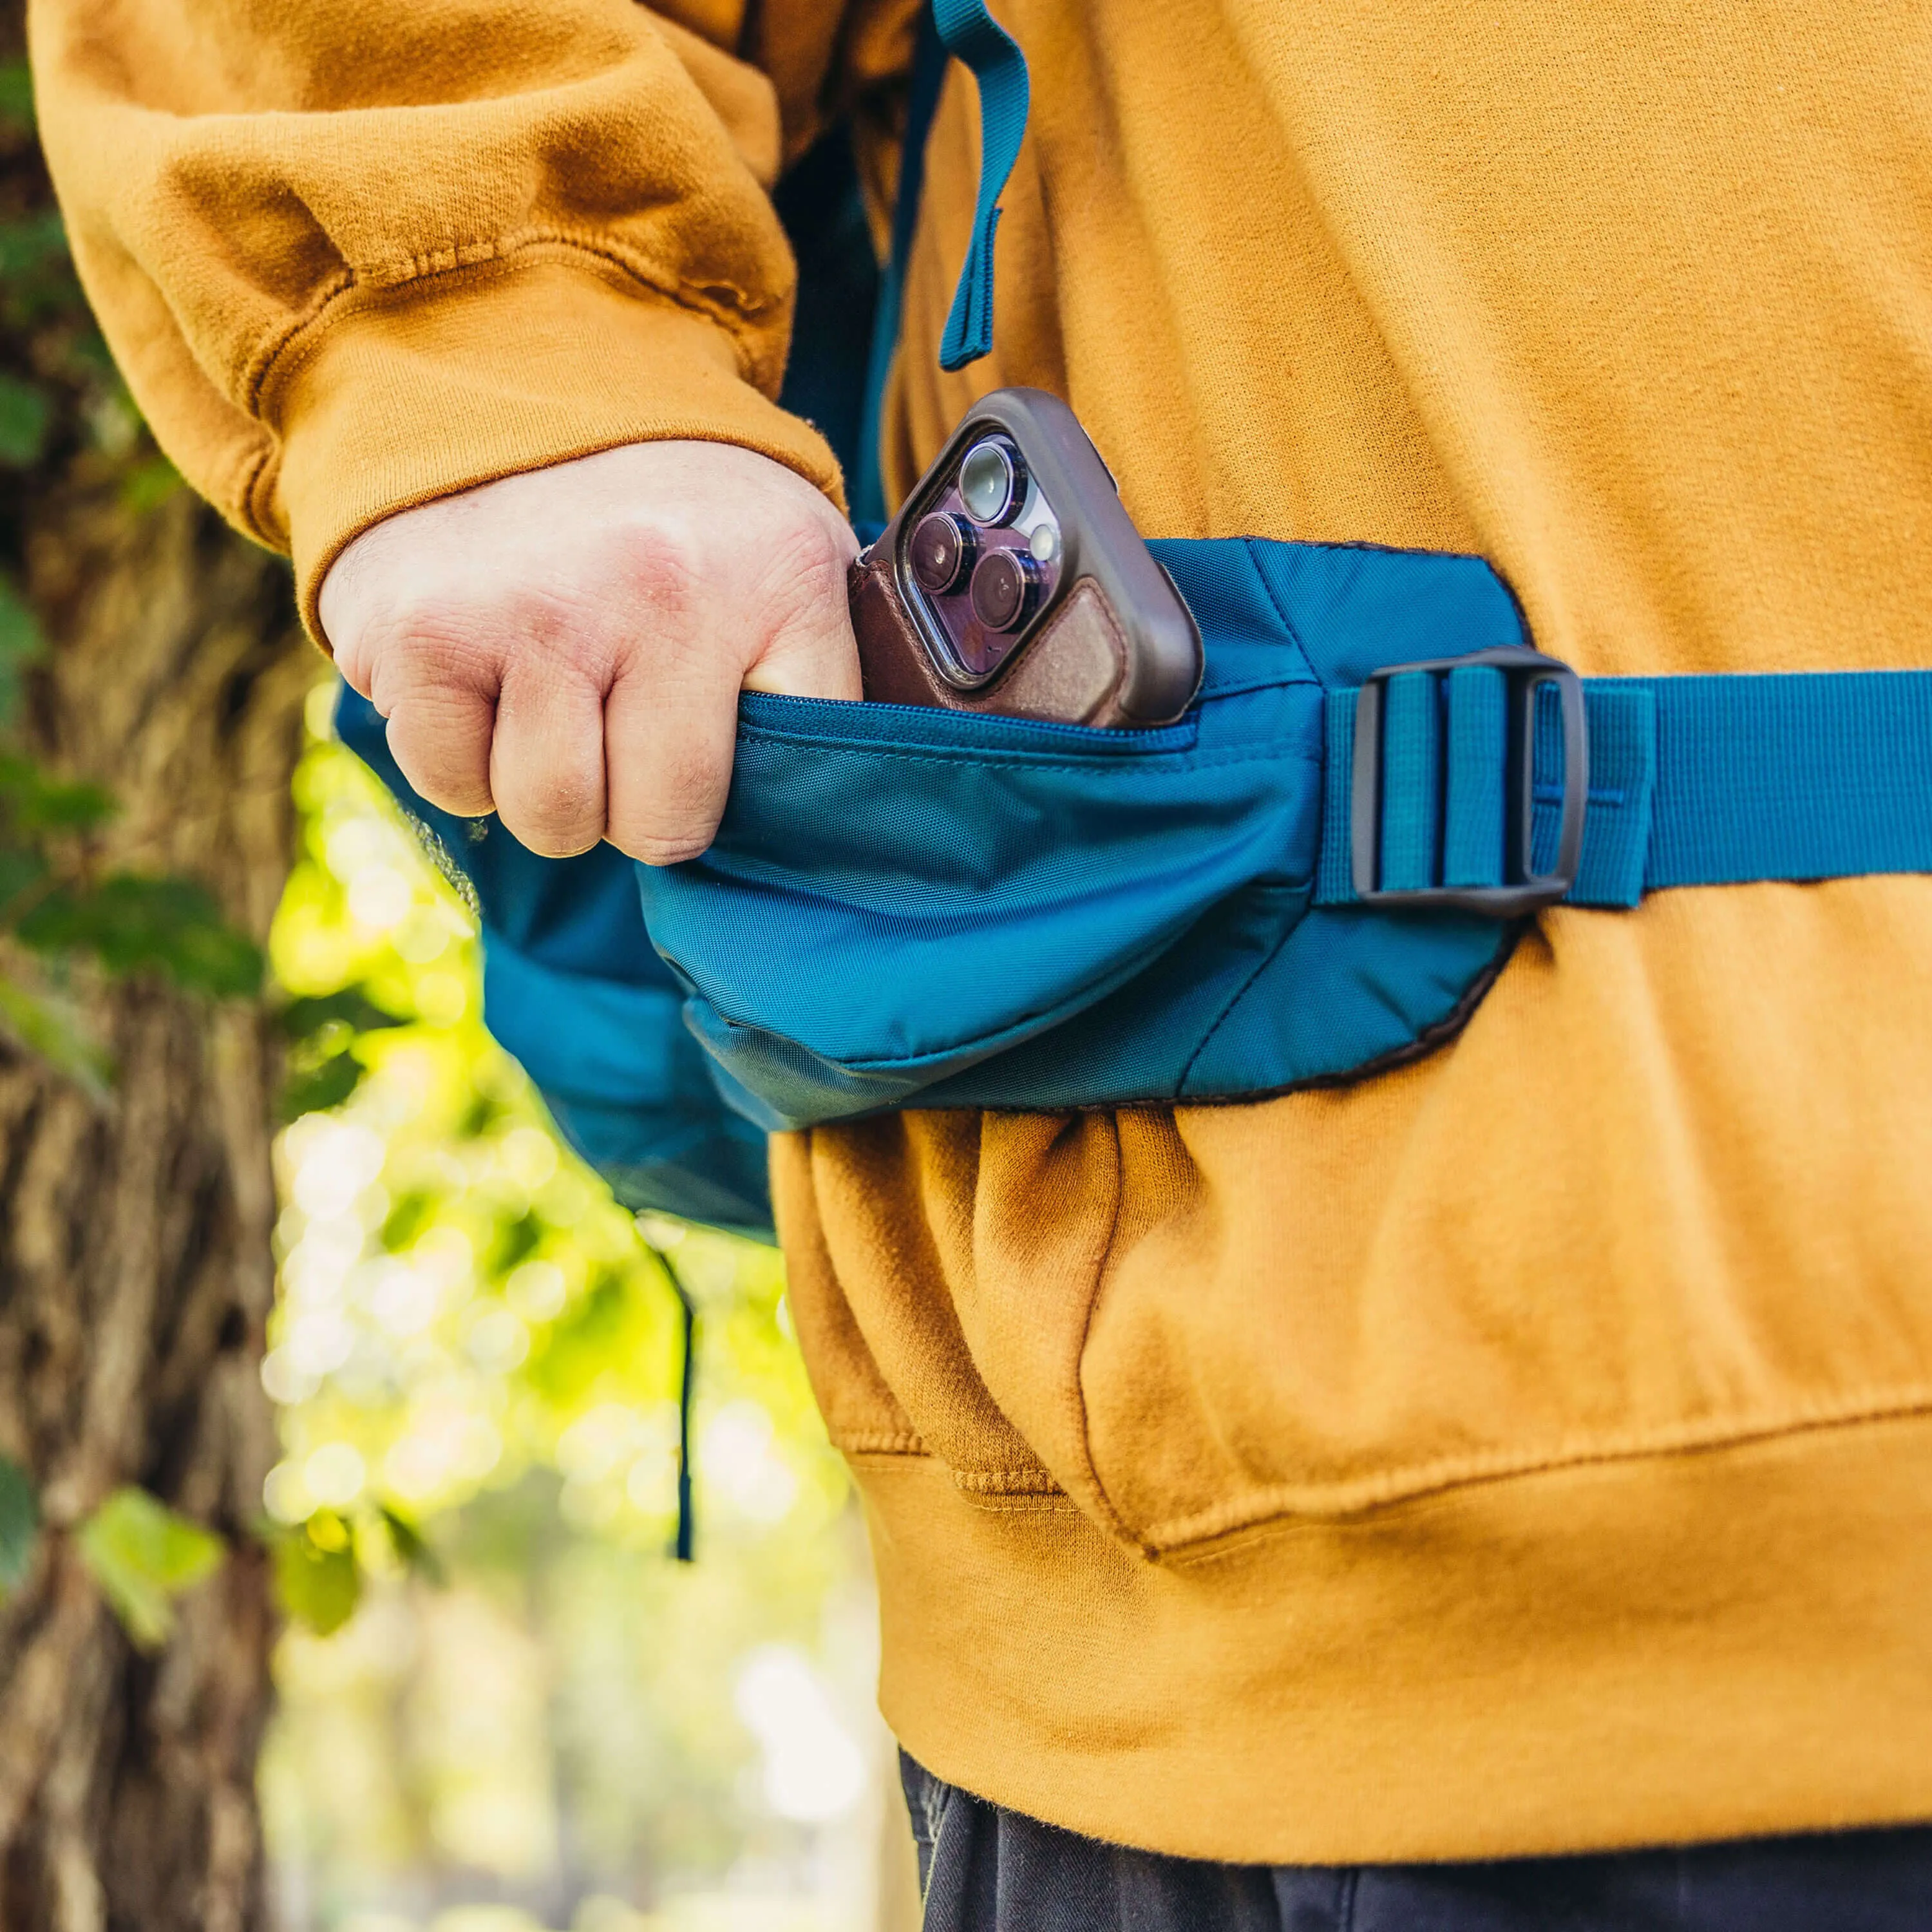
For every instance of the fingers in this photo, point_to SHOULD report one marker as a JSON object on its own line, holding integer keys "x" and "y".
{"x": 482, "y": 718}
{"x": 810, "y": 651}
{"x": 671, "y": 720}
{"x": 440, "y": 740}
{"x": 547, "y": 757}
{"x": 668, "y": 750}
{"x": 440, "y": 699}
{"x": 566, "y": 647}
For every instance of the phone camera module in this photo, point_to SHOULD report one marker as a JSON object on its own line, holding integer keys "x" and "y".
{"x": 992, "y": 481}
{"x": 942, "y": 552}
{"x": 1004, "y": 585}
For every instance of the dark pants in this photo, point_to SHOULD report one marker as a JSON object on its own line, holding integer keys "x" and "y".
{"x": 984, "y": 1870}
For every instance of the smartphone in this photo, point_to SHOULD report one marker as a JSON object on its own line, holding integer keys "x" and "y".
{"x": 1013, "y": 581}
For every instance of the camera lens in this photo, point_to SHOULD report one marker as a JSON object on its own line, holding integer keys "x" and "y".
{"x": 1003, "y": 589}
{"x": 991, "y": 480}
{"x": 942, "y": 550}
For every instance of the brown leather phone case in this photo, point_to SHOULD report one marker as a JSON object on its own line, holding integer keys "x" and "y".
{"x": 1114, "y": 647}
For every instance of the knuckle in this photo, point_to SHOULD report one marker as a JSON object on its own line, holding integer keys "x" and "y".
{"x": 807, "y": 563}
{"x": 549, "y": 841}
{"x": 414, "y": 646}
{"x": 558, "y": 807}
{"x": 663, "y": 567}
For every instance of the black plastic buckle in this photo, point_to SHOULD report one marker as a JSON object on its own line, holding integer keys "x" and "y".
{"x": 1528, "y": 671}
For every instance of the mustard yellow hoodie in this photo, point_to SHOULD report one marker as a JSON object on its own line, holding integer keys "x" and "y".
{"x": 1528, "y": 1450}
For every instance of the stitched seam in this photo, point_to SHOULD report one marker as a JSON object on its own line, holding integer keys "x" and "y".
{"x": 1100, "y": 763}
{"x": 1037, "y": 1481}
{"x": 1234, "y": 999}
{"x": 1431, "y": 1038}
{"x": 432, "y": 266}
{"x": 1014, "y": 1033}
{"x": 1095, "y": 737}
{"x": 1287, "y": 623}
{"x": 1329, "y": 1501}
{"x": 1032, "y": 1503}
{"x": 879, "y": 1442}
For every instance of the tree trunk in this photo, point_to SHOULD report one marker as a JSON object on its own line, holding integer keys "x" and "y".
{"x": 135, "y": 1269}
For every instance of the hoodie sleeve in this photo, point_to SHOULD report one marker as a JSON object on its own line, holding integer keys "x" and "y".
{"x": 356, "y": 254}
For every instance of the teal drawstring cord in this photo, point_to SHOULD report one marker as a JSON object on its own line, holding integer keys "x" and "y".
{"x": 684, "y": 1549}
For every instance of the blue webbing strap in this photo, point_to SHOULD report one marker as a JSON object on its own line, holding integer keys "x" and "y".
{"x": 947, "y": 27}
{"x": 1694, "y": 781}
{"x": 971, "y": 33}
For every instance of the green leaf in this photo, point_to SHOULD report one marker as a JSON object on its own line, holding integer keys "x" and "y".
{"x": 37, "y": 277}
{"x": 51, "y": 1026}
{"x": 484, "y": 1112}
{"x": 21, "y": 644}
{"x": 22, "y": 867}
{"x": 35, "y": 803}
{"x": 20, "y": 1525}
{"x": 516, "y": 1241}
{"x": 25, "y": 414}
{"x": 407, "y": 1219}
{"x": 415, "y": 1555}
{"x": 303, "y": 1018}
{"x": 148, "y": 485}
{"x": 16, "y": 97}
{"x": 31, "y": 242}
{"x": 318, "y": 1581}
{"x": 321, "y": 1088}
{"x": 20, "y": 639}
{"x": 130, "y": 922}
{"x": 616, "y": 1321}
{"x": 143, "y": 1555}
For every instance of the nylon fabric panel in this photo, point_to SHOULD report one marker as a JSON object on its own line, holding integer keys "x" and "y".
{"x": 899, "y": 894}
{"x": 906, "y": 906}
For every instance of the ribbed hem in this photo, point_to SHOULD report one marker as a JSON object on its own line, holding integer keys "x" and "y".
{"x": 391, "y": 398}
{"x": 1676, "y": 1648}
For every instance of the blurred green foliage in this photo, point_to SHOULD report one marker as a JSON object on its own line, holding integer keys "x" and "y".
{"x": 498, "y": 1687}
{"x": 19, "y": 1524}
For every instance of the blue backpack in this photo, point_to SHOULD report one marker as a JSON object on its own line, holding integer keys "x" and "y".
{"x": 1315, "y": 873}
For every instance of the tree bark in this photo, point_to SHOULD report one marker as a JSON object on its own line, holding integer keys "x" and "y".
{"x": 135, "y": 1274}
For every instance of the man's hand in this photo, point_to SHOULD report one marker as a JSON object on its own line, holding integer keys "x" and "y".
{"x": 566, "y": 647}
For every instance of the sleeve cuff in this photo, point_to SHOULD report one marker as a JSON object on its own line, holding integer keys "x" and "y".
{"x": 392, "y": 398}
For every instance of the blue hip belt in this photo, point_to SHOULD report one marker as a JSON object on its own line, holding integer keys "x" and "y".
{"x": 1316, "y": 873}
